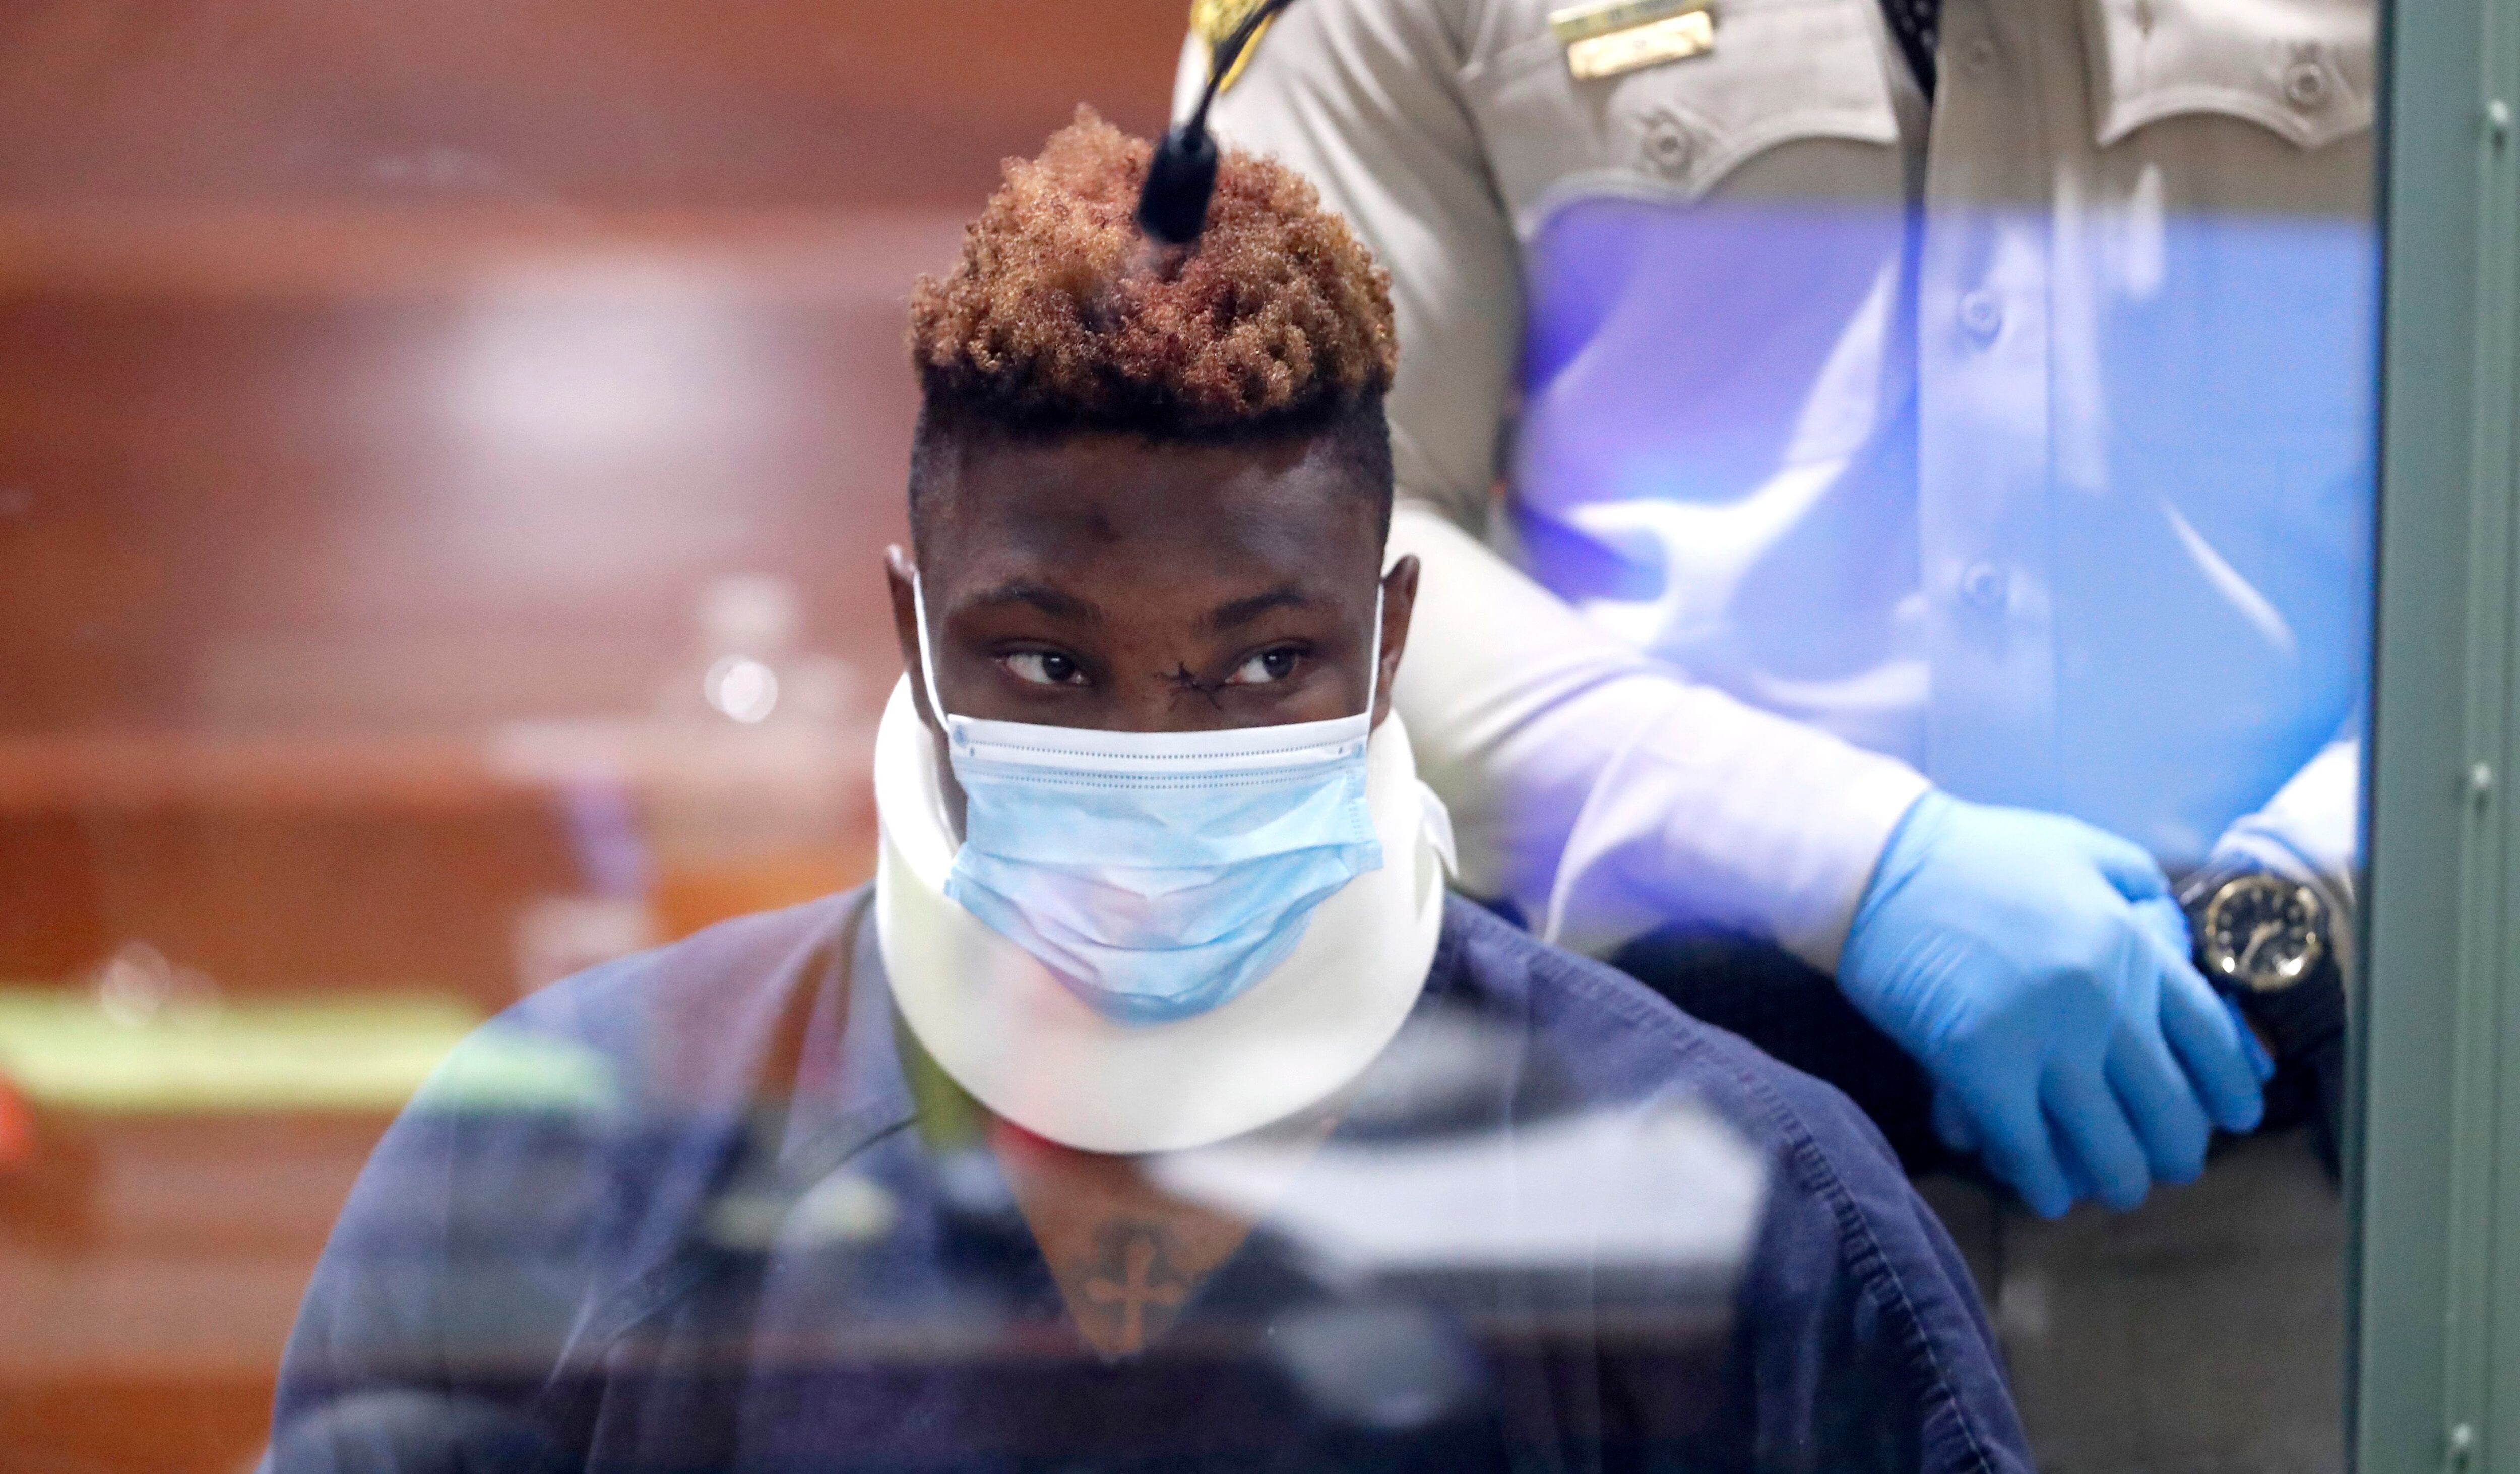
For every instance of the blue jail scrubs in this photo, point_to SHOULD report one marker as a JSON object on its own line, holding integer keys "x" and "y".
{"x": 732, "y": 1241}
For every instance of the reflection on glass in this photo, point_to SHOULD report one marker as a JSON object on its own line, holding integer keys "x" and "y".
{"x": 1916, "y": 458}
{"x": 1889, "y": 484}
{"x": 1157, "y": 1106}
{"x": 756, "y": 798}
{"x": 1481, "y": 1245}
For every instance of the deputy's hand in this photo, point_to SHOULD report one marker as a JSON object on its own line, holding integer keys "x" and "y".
{"x": 2036, "y": 967}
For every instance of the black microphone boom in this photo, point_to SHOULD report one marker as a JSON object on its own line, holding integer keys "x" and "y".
{"x": 1172, "y": 206}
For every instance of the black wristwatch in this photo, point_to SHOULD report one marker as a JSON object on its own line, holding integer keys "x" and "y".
{"x": 2268, "y": 942}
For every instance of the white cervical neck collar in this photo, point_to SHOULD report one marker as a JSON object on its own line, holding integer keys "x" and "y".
{"x": 996, "y": 1020}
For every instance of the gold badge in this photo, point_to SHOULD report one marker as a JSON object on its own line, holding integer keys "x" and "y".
{"x": 1212, "y": 21}
{"x": 1606, "y": 37}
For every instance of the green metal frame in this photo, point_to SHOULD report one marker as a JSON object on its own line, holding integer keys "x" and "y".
{"x": 2436, "y": 1180}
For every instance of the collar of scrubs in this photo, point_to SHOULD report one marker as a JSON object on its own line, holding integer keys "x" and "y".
{"x": 1004, "y": 1029}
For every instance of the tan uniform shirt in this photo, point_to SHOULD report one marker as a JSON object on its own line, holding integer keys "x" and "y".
{"x": 2020, "y": 445}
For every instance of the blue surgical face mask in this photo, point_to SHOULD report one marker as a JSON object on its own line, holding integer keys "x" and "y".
{"x": 1157, "y": 874}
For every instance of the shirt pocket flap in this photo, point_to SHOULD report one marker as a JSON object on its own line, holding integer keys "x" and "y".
{"x": 2302, "y": 68}
{"x": 1779, "y": 71}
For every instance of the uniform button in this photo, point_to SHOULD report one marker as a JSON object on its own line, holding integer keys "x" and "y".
{"x": 1983, "y": 586}
{"x": 2304, "y": 84}
{"x": 1982, "y": 315}
{"x": 1668, "y": 145}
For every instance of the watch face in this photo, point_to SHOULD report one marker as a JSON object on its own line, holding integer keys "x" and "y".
{"x": 2263, "y": 932}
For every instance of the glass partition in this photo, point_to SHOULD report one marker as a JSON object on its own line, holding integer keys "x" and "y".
{"x": 1830, "y": 943}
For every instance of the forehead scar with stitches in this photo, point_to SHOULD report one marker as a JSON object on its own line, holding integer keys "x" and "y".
{"x": 1183, "y": 680}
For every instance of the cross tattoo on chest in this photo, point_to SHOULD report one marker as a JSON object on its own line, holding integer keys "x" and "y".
{"x": 1143, "y": 1280}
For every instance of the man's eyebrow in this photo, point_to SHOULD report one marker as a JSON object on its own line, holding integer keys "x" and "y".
{"x": 1244, "y": 611}
{"x": 1041, "y": 596}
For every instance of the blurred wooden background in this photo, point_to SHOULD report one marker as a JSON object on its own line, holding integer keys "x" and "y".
{"x": 374, "y": 373}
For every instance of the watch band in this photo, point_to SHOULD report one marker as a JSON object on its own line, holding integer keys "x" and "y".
{"x": 2303, "y": 1025}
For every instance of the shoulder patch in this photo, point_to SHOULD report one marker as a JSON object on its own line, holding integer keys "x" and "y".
{"x": 1212, "y": 21}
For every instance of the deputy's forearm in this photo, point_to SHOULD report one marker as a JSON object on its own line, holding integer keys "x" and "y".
{"x": 1605, "y": 794}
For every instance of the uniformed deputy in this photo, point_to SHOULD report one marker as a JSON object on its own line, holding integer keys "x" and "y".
{"x": 1937, "y": 455}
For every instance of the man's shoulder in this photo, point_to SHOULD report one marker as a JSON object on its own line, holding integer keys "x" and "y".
{"x": 1829, "y": 1173}
{"x": 703, "y": 987}
{"x": 642, "y": 1073}
{"x": 649, "y": 1056}
{"x": 1850, "y": 1282}
{"x": 1635, "y": 1042}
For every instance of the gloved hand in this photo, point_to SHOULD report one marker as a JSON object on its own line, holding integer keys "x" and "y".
{"x": 2038, "y": 968}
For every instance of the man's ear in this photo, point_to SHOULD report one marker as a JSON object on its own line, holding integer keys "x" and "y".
{"x": 899, "y": 574}
{"x": 1399, "y": 602}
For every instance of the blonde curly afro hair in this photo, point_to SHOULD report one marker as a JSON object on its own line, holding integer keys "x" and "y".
{"x": 1061, "y": 317}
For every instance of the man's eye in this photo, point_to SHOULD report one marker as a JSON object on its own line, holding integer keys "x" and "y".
{"x": 1044, "y": 668}
{"x": 1266, "y": 666}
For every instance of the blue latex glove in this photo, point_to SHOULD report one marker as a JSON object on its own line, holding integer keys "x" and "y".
{"x": 2038, "y": 968}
